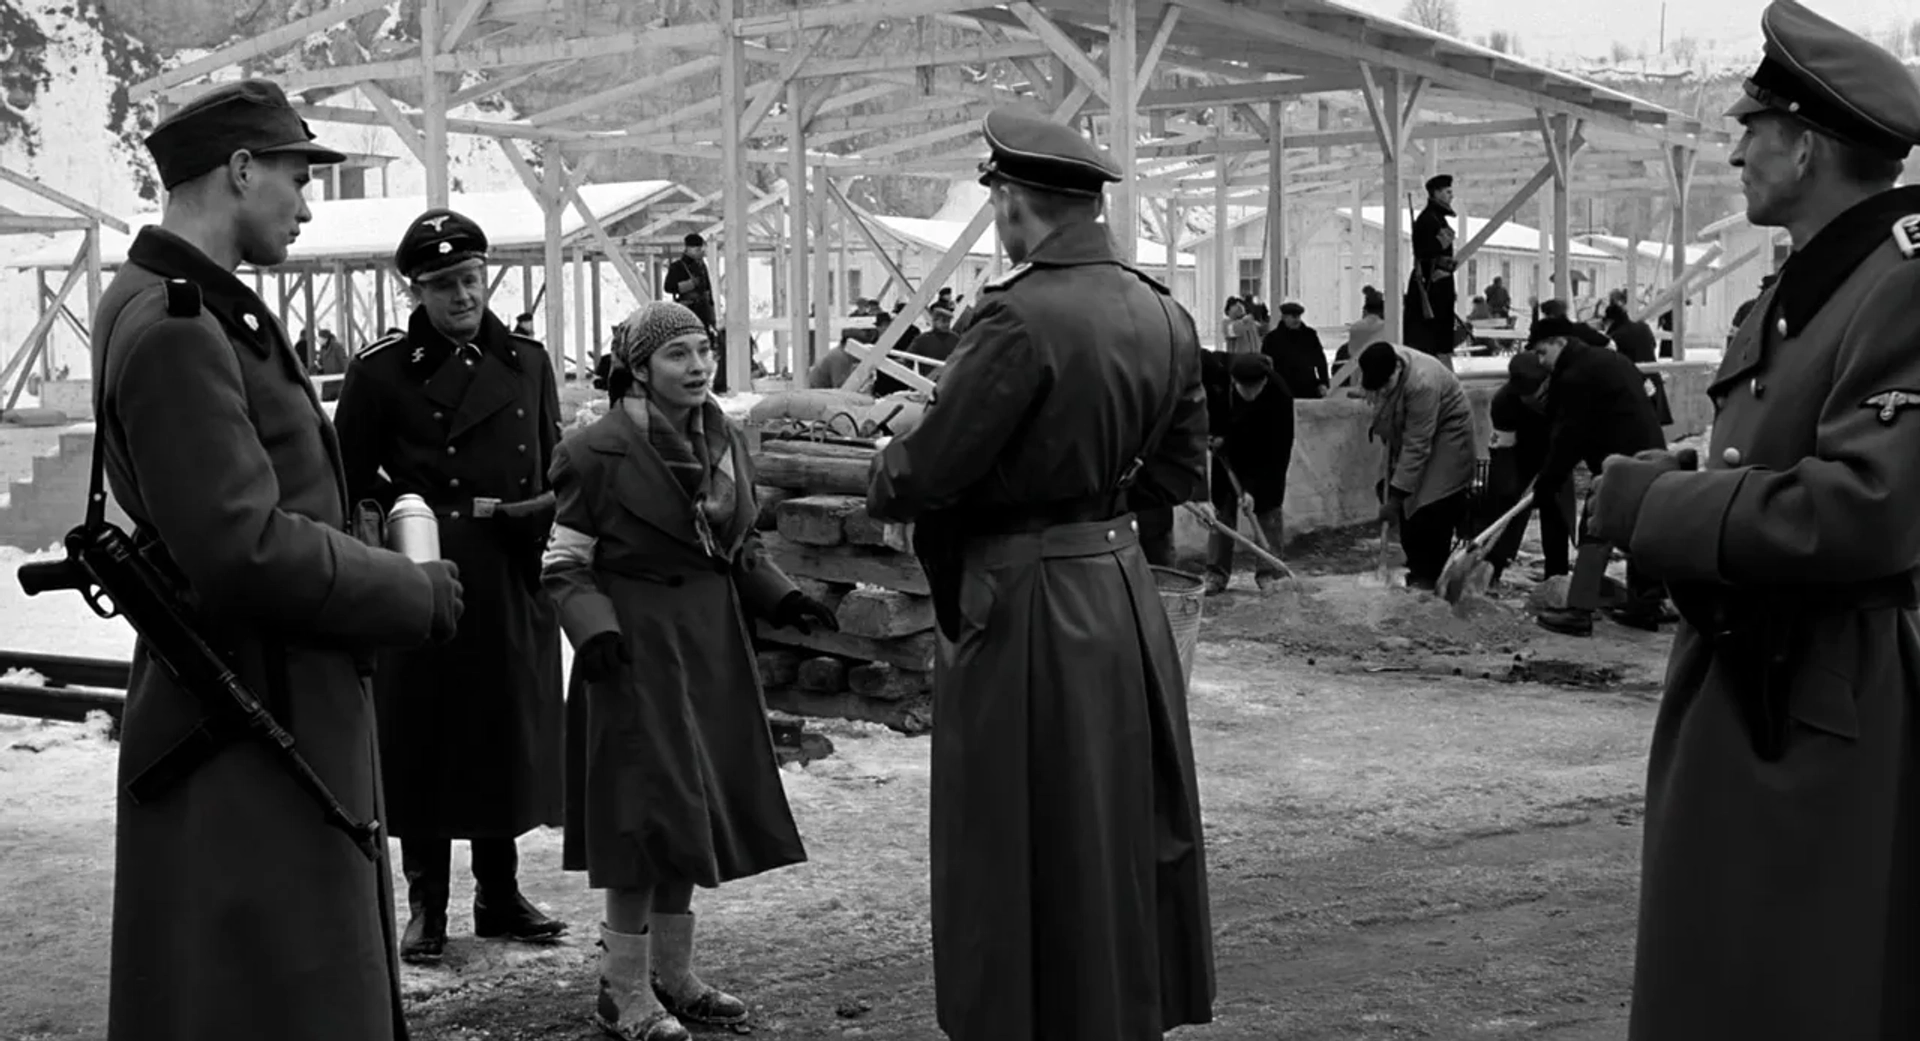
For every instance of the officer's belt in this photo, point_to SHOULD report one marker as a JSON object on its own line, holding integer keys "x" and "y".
{"x": 1725, "y": 610}
{"x": 475, "y": 507}
{"x": 1032, "y": 517}
{"x": 1086, "y": 539}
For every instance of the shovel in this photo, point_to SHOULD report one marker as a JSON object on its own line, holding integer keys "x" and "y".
{"x": 1461, "y": 564}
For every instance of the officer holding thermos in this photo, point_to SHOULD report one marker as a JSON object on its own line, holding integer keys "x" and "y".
{"x": 464, "y": 414}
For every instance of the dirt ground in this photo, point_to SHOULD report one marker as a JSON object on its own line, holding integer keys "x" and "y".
{"x": 1402, "y": 843}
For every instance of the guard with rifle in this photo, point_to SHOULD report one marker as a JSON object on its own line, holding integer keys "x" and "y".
{"x": 1432, "y": 296}
{"x": 1072, "y": 400}
{"x": 251, "y": 892}
{"x": 464, "y": 413}
{"x": 1780, "y": 882}
{"x": 688, "y": 282}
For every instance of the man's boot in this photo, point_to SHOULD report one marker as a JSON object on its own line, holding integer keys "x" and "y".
{"x": 499, "y": 911}
{"x": 425, "y": 862}
{"x": 683, "y": 993}
{"x": 628, "y": 1008}
{"x": 1567, "y": 621}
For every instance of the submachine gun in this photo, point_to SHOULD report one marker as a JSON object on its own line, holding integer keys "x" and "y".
{"x": 102, "y": 559}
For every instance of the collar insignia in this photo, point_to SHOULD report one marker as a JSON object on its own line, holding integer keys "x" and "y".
{"x": 1890, "y": 403}
{"x": 1906, "y": 235}
{"x": 418, "y": 353}
{"x": 252, "y": 323}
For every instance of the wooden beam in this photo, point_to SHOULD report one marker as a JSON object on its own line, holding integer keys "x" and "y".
{"x": 820, "y": 16}
{"x": 433, "y": 106}
{"x": 964, "y": 54}
{"x": 799, "y": 229}
{"x": 33, "y": 223}
{"x": 1506, "y": 212}
{"x": 1556, "y": 160}
{"x": 495, "y": 86}
{"x": 611, "y": 249}
{"x": 1386, "y": 133}
{"x": 828, "y": 96}
{"x": 258, "y": 46}
{"x": 1063, "y": 48}
{"x": 31, "y": 347}
{"x": 462, "y": 22}
{"x": 645, "y": 86}
{"x": 776, "y": 88}
{"x": 738, "y": 301}
{"x": 860, "y": 226}
{"x": 383, "y": 105}
{"x": 1156, "y": 46}
{"x": 26, "y": 183}
{"x": 1123, "y": 216}
{"x": 945, "y": 133}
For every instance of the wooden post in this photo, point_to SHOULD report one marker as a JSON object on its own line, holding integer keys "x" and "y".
{"x": 599, "y": 343}
{"x": 1681, "y": 159}
{"x": 1175, "y": 224}
{"x": 822, "y": 261}
{"x": 1633, "y": 262}
{"x": 1123, "y": 126}
{"x": 94, "y": 278}
{"x": 1393, "y": 227}
{"x": 1543, "y": 260}
{"x": 1562, "y": 208}
{"x": 1276, "y": 205}
{"x": 526, "y": 285}
{"x": 799, "y": 223}
{"x": 1226, "y": 272}
{"x": 433, "y": 106}
{"x": 554, "y": 282}
{"x": 1356, "y": 246}
{"x": 733, "y": 177}
{"x": 578, "y": 348}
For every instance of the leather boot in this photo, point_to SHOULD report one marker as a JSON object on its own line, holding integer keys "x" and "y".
{"x": 425, "y": 862}
{"x": 499, "y": 910}
{"x": 683, "y": 993}
{"x": 1567, "y": 621}
{"x": 627, "y": 1008}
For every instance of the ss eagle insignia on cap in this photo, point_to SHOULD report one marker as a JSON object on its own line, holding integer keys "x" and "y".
{"x": 434, "y": 222}
{"x": 1890, "y": 403}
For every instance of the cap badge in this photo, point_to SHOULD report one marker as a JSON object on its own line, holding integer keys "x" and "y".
{"x": 433, "y": 222}
{"x": 252, "y": 322}
{"x": 446, "y": 247}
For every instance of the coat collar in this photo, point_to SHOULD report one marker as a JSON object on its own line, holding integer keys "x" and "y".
{"x": 230, "y": 300}
{"x": 1815, "y": 271}
{"x": 432, "y": 350}
{"x": 1073, "y": 245}
{"x": 645, "y": 487}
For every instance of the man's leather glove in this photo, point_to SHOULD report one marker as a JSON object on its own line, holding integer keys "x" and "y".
{"x": 528, "y": 520}
{"x": 1394, "y": 510}
{"x": 1614, "y": 507}
{"x": 799, "y": 611}
{"x": 602, "y": 657}
{"x": 447, "y": 603}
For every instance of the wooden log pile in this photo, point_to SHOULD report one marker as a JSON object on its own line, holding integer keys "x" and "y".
{"x": 814, "y": 524}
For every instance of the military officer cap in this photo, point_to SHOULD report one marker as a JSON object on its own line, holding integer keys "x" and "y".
{"x": 436, "y": 241}
{"x": 1031, "y": 150}
{"x": 1835, "y": 81}
{"x": 251, "y": 115}
{"x": 1439, "y": 182}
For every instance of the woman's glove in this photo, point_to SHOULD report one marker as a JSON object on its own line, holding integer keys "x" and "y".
{"x": 799, "y": 611}
{"x": 602, "y": 657}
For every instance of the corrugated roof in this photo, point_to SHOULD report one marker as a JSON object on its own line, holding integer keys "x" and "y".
{"x": 368, "y": 229}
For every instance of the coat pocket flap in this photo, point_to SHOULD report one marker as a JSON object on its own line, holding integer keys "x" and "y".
{"x": 1824, "y": 702}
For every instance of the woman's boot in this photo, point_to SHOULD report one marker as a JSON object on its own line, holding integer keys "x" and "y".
{"x": 683, "y": 993}
{"x": 628, "y": 1008}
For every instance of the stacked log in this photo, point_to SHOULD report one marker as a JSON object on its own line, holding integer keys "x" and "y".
{"x": 879, "y": 666}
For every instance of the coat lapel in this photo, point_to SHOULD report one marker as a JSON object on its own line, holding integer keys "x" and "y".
{"x": 642, "y": 485}
{"x": 1749, "y": 348}
{"x": 492, "y": 388}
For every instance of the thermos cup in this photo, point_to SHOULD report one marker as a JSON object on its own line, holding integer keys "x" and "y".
{"x": 412, "y": 529}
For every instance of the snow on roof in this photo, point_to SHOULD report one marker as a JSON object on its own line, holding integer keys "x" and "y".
{"x": 350, "y": 229}
{"x": 1615, "y": 245}
{"x": 940, "y": 235}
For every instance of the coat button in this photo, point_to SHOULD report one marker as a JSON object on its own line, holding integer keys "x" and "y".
{"x": 455, "y": 514}
{"x": 523, "y": 482}
{"x": 1111, "y": 535}
{"x": 520, "y": 448}
{"x": 1781, "y": 325}
{"x": 1731, "y": 457}
{"x": 519, "y": 411}
{"x": 1757, "y": 388}
{"x": 439, "y": 415}
{"x": 453, "y": 482}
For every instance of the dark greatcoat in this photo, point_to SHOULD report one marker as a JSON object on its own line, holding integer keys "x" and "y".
{"x": 1299, "y": 359}
{"x": 1258, "y": 435}
{"x": 1069, "y": 878}
{"x": 671, "y": 771}
{"x": 471, "y": 731}
{"x": 1780, "y": 899}
{"x": 238, "y": 914}
{"x": 1432, "y": 243}
{"x": 1597, "y": 405}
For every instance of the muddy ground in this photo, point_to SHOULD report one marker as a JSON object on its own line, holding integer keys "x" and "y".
{"x": 1402, "y": 843}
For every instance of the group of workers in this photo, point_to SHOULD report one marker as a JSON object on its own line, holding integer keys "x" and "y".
{"x": 1780, "y": 896}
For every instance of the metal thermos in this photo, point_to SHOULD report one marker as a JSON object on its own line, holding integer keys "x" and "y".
{"x": 412, "y": 529}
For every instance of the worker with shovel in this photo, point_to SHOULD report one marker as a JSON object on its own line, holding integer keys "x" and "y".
{"x": 1251, "y": 430}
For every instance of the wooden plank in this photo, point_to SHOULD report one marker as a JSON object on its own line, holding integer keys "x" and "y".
{"x": 911, "y": 715}
{"x": 825, "y": 475}
{"x": 817, "y": 520}
{"x": 1064, "y": 48}
{"x": 778, "y": 666}
{"x": 770, "y": 499}
{"x": 884, "y": 614}
{"x": 823, "y": 674}
{"x": 862, "y": 530}
{"x": 265, "y": 43}
{"x": 828, "y": 593}
{"x": 403, "y": 127}
{"x": 462, "y": 22}
{"x": 34, "y": 223}
{"x": 776, "y": 88}
{"x": 899, "y": 571}
{"x": 72, "y": 706}
{"x": 880, "y": 680}
{"x": 22, "y": 181}
{"x": 914, "y": 653}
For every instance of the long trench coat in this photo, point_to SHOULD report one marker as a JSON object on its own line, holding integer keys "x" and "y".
{"x": 1780, "y": 899}
{"x": 1428, "y": 429}
{"x": 470, "y": 730}
{"x": 1069, "y": 875}
{"x": 671, "y": 771}
{"x": 238, "y": 914}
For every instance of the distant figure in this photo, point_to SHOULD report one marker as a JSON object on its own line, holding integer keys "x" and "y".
{"x": 1499, "y": 301}
{"x": 1239, "y": 330}
{"x": 1298, "y": 357}
{"x": 1369, "y": 330}
{"x": 333, "y": 355}
{"x": 523, "y": 325}
{"x": 1432, "y": 297}
{"x": 1422, "y": 415}
{"x": 1746, "y": 308}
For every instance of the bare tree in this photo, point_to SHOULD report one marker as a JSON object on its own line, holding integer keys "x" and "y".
{"x": 1913, "y": 36}
{"x": 1685, "y": 50}
{"x": 1622, "y": 53}
{"x": 1503, "y": 41}
{"x": 1442, "y": 16}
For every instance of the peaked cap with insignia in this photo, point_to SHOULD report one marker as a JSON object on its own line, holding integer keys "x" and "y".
{"x": 1031, "y": 150}
{"x": 1834, "y": 80}
{"x": 436, "y": 240}
{"x": 251, "y": 115}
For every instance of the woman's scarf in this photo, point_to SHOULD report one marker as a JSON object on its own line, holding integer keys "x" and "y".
{"x": 701, "y": 460}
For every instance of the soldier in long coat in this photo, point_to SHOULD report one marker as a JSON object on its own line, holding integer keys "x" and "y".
{"x": 1069, "y": 878}
{"x": 238, "y": 913}
{"x": 464, "y": 413}
{"x": 1780, "y": 890}
{"x": 1432, "y": 294}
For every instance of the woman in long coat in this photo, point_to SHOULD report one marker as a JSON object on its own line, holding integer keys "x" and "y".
{"x": 672, "y": 781}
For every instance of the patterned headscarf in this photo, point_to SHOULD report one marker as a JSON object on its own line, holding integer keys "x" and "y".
{"x": 650, "y": 327}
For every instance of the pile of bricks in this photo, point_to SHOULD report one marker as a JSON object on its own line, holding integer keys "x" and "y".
{"x": 879, "y": 666}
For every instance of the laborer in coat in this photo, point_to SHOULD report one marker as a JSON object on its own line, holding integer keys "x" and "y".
{"x": 1597, "y": 405}
{"x": 238, "y": 914}
{"x": 1299, "y": 359}
{"x": 1422, "y": 415}
{"x": 1251, "y": 431}
{"x": 1631, "y": 338}
{"x": 465, "y": 414}
{"x": 1521, "y": 434}
{"x": 1499, "y": 300}
{"x": 672, "y": 781}
{"x": 1780, "y": 884}
{"x": 1069, "y": 877}
{"x": 1369, "y": 330}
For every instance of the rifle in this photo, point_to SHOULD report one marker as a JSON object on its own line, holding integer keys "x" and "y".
{"x": 103, "y": 559}
{"x": 1419, "y": 276}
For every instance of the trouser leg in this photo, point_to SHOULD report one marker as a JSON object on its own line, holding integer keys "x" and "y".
{"x": 1220, "y": 547}
{"x": 1427, "y": 538}
{"x": 499, "y": 908}
{"x": 1273, "y": 527}
{"x": 426, "y": 862}
{"x": 1556, "y": 535}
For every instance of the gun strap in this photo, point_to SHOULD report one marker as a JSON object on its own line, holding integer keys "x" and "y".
{"x": 1164, "y": 421}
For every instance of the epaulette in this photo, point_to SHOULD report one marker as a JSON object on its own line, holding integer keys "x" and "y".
{"x": 379, "y": 345}
{"x": 1906, "y": 235}
{"x": 183, "y": 298}
{"x": 1158, "y": 286}
{"x": 1019, "y": 272}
